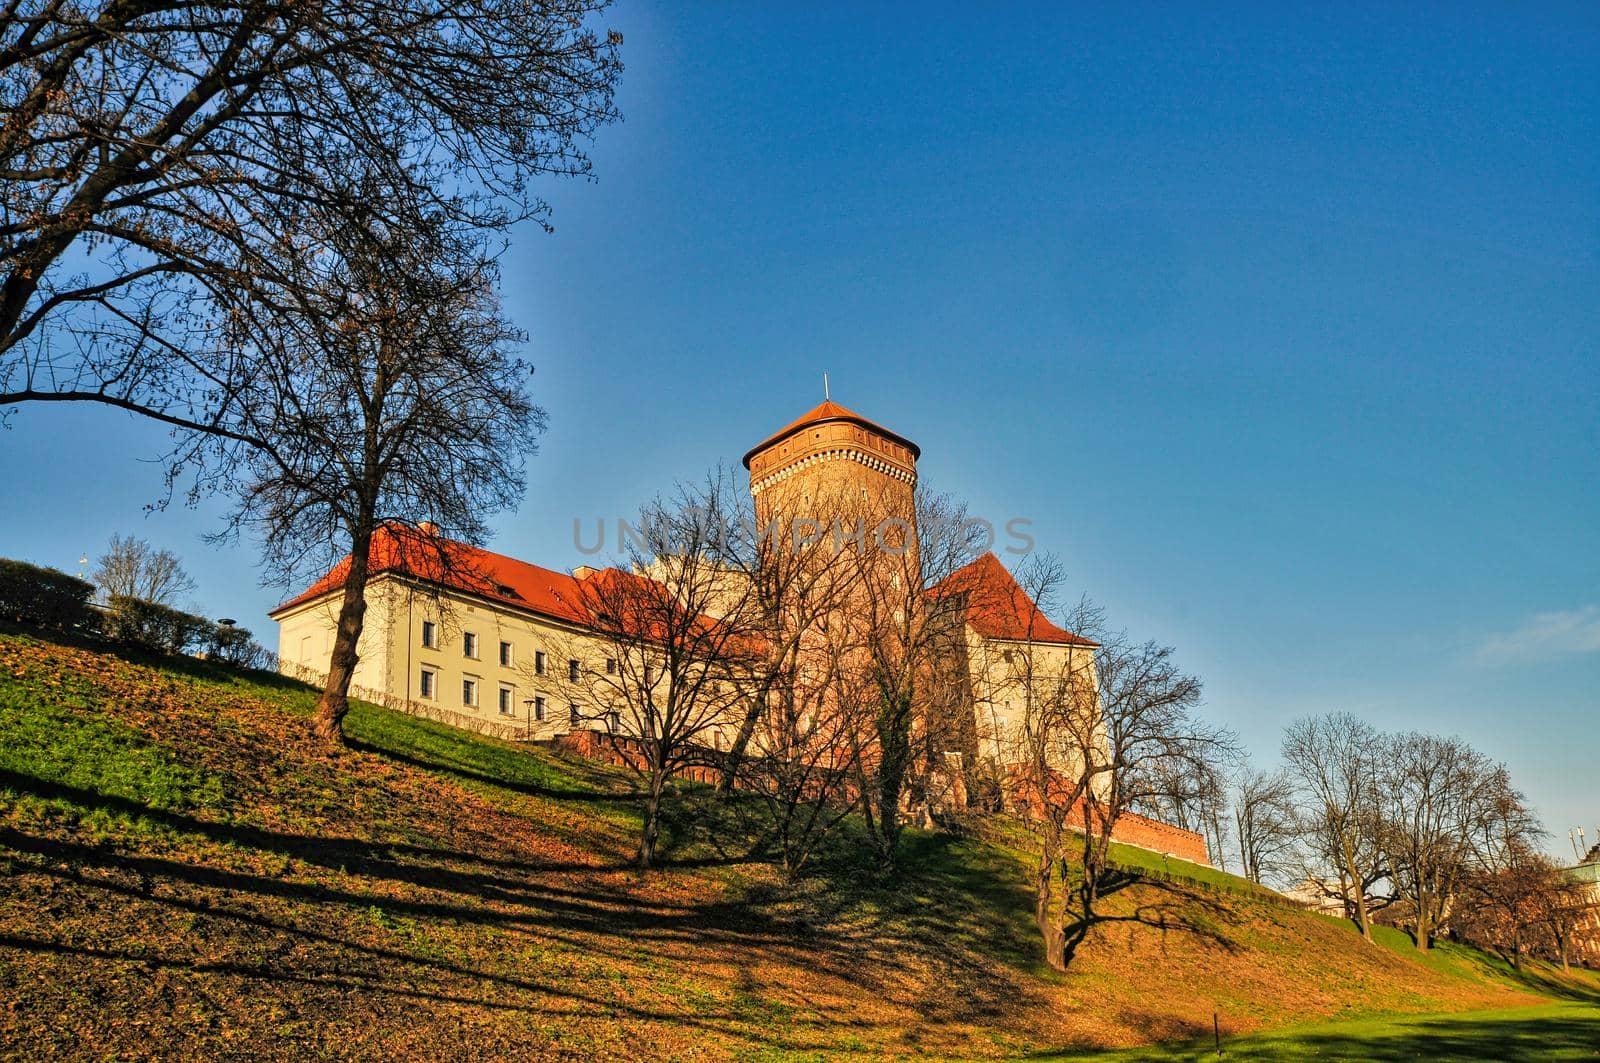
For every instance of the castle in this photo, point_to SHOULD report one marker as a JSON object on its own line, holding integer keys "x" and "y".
{"x": 506, "y": 653}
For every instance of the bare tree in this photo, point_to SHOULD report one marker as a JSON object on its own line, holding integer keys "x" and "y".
{"x": 1438, "y": 792}
{"x": 1511, "y": 893}
{"x": 1191, "y": 794}
{"x": 682, "y": 653}
{"x": 900, "y": 627}
{"x": 801, "y": 755}
{"x": 1264, "y": 822}
{"x": 1051, "y": 745}
{"x": 1101, "y": 736}
{"x": 155, "y": 154}
{"x": 798, "y": 737}
{"x": 384, "y": 396}
{"x": 1152, "y": 735}
{"x": 1337, "y": 763}
{"x": 132, "y": 568}
{"x": 796, "y": 591}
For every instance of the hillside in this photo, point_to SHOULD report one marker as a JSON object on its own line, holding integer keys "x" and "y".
{"x": 185, "y": 873}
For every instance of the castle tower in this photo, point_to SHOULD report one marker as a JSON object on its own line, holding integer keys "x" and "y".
{"x": 832, "y": 461}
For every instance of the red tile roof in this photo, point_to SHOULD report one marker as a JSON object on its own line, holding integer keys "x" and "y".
{"x": 397, "y": 548}
{"x": 829, "y": 411}
{"x": 998, "y": 607}
{"x": 403, "y": 549}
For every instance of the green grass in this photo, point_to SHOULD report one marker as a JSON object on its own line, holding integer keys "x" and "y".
{"x": 74, "y": 749}
{"x": 477, "y": 763}
{"x": 1154, "y": 865}
{"x": 1550, "y": 1032}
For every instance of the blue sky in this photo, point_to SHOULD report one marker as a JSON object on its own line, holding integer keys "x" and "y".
{"x": 1281, "y": 327}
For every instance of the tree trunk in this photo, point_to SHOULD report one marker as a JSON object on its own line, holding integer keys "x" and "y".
{"x": 741, "y": 742}
{"x": 1054, "y": 941}
{"x": 1359, "y": 888}
{"x": 894, "y": 752}
{"x": 328, "y": 723}
{"x": 1424, "y": 923}
{"x": 650, "y": 830}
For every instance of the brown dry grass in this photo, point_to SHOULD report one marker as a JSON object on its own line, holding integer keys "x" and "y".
{"x": 184, "y": 873}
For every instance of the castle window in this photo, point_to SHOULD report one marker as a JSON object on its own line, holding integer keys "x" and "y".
{"x": 425, "y": 684}
{"x": 573, "y": 715}
{"x": 538, "y": 708}
{"x": 574, "y": 669}
{"x": 505, "y": 655}
{"x": 507, "y": 701}
{"x": 469, "y": 693}
{"x": 430, "y": 634}
{"x": 611, "y": 666}
{"x": 469, "y": 645}
{"x": 538, "y": 662}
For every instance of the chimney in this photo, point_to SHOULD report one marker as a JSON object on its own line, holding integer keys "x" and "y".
{"x": 583, "y": 572}
{"x": 427, "y": 527}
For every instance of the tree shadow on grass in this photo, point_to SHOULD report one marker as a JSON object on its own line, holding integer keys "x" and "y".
{"x": 456, "y": 771}
{"x": 1465, "y": 1038}
{"x": 601, "y": 917}
{"x": 1166, "y": 906}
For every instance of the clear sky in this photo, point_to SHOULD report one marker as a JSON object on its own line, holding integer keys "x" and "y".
{"x": 1281, "y": 328}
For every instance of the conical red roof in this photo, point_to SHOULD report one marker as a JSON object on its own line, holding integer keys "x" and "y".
{"x": 829, "y": 411}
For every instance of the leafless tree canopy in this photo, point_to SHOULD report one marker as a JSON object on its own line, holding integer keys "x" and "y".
{"x": 157, "y": 157}
{"x": 1155, "y": 741}
{"x": 1101, "y": 734}
{"x": 384, "y": 393}
{"x": 900, "y": 628}
{"x": 131, "y": 567}
{"x": 1264, "y": 823}
{"x": 1422, "y": 825}
{"x": 677, "y": 618}
{"x": 1337, "y": 765}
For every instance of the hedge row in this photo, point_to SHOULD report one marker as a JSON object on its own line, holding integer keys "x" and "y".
{"x": 137, "y": 622}
{"x": 44, "y": 597}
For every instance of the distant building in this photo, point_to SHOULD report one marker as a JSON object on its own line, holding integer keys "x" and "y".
{"x": 1586, "y": 942}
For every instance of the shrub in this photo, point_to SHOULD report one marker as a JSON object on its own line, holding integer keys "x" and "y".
{"x": 43, "y": 597}
{"x": 229, "y": 644}
{"x": 235, "y": 646}
{"x": 156, "y": 627}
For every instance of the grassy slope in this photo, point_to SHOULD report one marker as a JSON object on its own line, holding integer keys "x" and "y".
{"x": 183, "y": 871}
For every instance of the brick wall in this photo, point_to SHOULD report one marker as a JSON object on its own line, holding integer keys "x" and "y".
{"x": 628, "y": 753}
{"x": 1134, "y": 829}
{"x": 1131, "y": 829}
